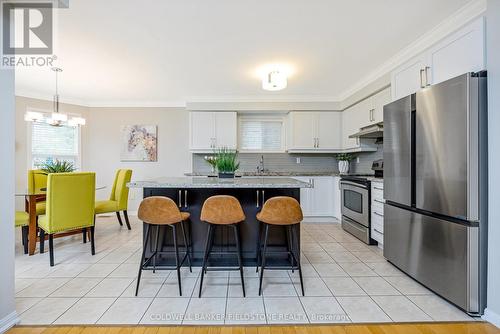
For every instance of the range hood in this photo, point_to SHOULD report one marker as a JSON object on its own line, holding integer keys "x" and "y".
{"x": 371, "y": 131}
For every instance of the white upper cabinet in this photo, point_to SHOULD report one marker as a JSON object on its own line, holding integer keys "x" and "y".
{"x": 314, "y": 131}
{"x": 352, "y": 119}
{"x": 210, "y": 130}
{"x": 459, "y": 53}
{"x": 378, "y": 102}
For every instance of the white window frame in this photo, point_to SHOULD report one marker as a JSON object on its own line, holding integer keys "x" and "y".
{"x": 263, "y": 118}
{"x": 78, "y": 165}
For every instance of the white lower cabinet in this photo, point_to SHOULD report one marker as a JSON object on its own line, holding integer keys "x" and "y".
{"x": 319, "y": 200}
{"x": 377, "y": 212}
{"x": 337, "y": 205}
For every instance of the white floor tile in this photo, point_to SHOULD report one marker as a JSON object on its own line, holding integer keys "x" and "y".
{"x": 323, "y": 310}
{"x": 343, "y": 286}
{"x": 148, "y": 287}
{"x": 46, "y": 311}
{"x": 400, "y": 309}
{"x": 329, "y": 270}
{"x": 385, "y": 269}
{"x": 251, "y": 287}
{"x": 213, "y": 286}
{"x": 357, "y": 269}
{"x": 165, "y": 311}
{"x": 333, "y": 247}
{"x": 374, "y": 286}
{"x": 439, "y": 309}
{"x": 171, "y": 289}
{"x": 362, "y": 309}
{"x": 312, "y": 287}
{"x": 110, "y": 287}
{"x": 277, "y": 287}
{"x": 407, "y": 285}
{"x": 340, "y": 257}
{"x": 43, "y": 287}
{"x": 369, "y": 256}
{"x": 284, "y": 310}
{"x": 22, "y": 283}
{"x": 77, "y": 287}
{"x": 126, "y": 311}
{"x": 319, "y": 257}
{"x": 68, "y": 270}
{"x": 205, "y": 311}
{"x": 85, "y": 311}
{"x": 126, "y": 270}
{"x": 99, "y": 270}
{"x": 245, "y": 311}
{"x": 24, "y": 303}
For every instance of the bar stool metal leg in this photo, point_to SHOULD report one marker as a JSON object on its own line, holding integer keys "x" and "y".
{"x": 259, "y": 236}
{"x": 186, "y": 245}
{"x": 205, "y": 256}
{"x": 263, "y": 265}
{"x": 157, "y": 243}
{"x": 142, "y": 259}
{"x": 178, "y": 268}
{"x": 297, "y": 256}
{"x": 238, "y": 248}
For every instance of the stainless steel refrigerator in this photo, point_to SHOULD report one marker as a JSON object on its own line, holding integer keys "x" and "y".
{"x": 435, "y": 187}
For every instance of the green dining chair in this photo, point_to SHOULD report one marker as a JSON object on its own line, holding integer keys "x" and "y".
{"x": 37, "y": 179}
{"x": 22, "y": 221}
{"x": 118, "y": 200}
{"x": 70, "y": 206}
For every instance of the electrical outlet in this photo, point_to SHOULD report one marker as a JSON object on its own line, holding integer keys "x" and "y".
{"x": 297, "y": 160}
{"x": 357, "y": 160}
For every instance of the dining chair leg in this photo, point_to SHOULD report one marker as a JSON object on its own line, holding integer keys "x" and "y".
{"x": 42, "y": 241}
{"x": 125, "y": 214}
{"x": 92, "y": 242}
{"x": 24, "y": 231}
{"x": 177, "y": 263}
{"x": 186, "y": 245}
{"x": 205, "y": 257}
{"x": 238, "y": 248}
{"x": 263, "y": 265}
{"x": 142, "y": 258}
{"x": 51, "y": 249}
{"x": 119, "y": 218}
{"x": 84, "y": 235}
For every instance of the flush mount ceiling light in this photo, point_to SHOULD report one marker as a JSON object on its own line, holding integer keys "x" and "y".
{"x": 57, "y": 118}
{"x": 274, "y": 80}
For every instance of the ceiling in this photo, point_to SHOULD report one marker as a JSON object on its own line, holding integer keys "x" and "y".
{"x": 169, "y": 52}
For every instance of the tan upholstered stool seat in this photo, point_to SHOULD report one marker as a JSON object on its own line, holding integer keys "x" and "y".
{"x": 281, "y": 210}
{"x": 159, "y": 210}
{"x": 222, "y": 210}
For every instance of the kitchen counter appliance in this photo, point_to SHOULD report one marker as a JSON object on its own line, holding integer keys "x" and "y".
{"x": 435, "y": 187}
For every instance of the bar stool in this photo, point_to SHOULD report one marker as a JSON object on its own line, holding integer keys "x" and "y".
{"x": 222, "y": 210}
{"x": 284, "y": 212}
{"x": 158, "y": 211}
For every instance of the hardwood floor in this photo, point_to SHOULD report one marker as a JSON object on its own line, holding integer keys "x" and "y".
{"x": 409, "y": 328}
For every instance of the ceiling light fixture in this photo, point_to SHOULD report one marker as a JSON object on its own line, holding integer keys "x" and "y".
{"x": 57, "y": 118}
{"x": 274, "y": 80}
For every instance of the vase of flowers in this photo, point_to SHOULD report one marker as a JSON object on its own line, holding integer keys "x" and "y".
{"x": 343, "y": 161}
{"x": 225, "y": 162}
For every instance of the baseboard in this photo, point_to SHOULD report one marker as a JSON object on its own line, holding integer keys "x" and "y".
{"x": 491, "y": 317}
{"x": 320, "y": 220}
{"x": 8, "y": 322}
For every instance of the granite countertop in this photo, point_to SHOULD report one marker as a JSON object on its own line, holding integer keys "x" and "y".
{"x": 213, "y": 182}
{"x": 271, "y": 174}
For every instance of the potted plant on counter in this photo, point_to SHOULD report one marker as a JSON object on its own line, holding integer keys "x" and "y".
{"x": 225, "y": 162}
{"x": 343, "y": 160}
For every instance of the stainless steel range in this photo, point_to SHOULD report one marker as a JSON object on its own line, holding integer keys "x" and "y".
{"x": 355, "y": 201}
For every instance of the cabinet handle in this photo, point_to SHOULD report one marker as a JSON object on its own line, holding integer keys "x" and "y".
{"x": 378, "y": 214}
{"x": 378, "y": 188}
{"x": 422, "y": 78}
{"x": 357, "y": 141}
{"x": 257, "y": 204}
{"x": 179, "y": 199}
{"x": 185, "y": 198}
{"x": 427, "y": 68}
{"x": 377, "y": 231}
{"x": 263, "y": 197}
{"x": 379, "y": 201}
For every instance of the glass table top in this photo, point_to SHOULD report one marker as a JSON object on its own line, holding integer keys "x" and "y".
{"x": 43, "y": 191}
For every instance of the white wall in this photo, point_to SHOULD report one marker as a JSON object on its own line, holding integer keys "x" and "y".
{"x": 8, "y": 315}
{"x": 492, "y": 312}
{"x": 102, "y": 146}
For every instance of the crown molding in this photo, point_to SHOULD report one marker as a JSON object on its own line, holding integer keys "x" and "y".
{"x": 46, "y": 97}
{"x": 457, "y": 20}
{"x": 260, "y": 98}
{"x": 136, "y": 104}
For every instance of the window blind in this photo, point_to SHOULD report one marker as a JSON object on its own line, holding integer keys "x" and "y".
{"x": 261, "y": 135}
{"x": 49, "y": 143}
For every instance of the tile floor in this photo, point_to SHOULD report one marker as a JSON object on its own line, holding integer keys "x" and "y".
{"x": 345, "y": 281}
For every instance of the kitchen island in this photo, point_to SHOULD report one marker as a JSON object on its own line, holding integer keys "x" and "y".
{"x": 190, "y": 193}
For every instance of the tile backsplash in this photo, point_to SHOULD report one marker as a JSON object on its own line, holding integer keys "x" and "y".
{"x": 275, "y": 162}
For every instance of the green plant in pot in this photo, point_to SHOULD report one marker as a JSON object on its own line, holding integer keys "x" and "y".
{"x": 58, "y": 166}
{"x": 343, "y": 160}
{"x": 225, "y": 162}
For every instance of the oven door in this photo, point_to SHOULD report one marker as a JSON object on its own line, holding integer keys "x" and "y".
{"x": 355, "y": 200}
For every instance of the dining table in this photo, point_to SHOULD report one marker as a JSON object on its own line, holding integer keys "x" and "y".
{"x": 30, "y": 200}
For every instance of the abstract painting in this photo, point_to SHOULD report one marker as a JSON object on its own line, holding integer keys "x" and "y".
{"x": 139, "y": 143}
